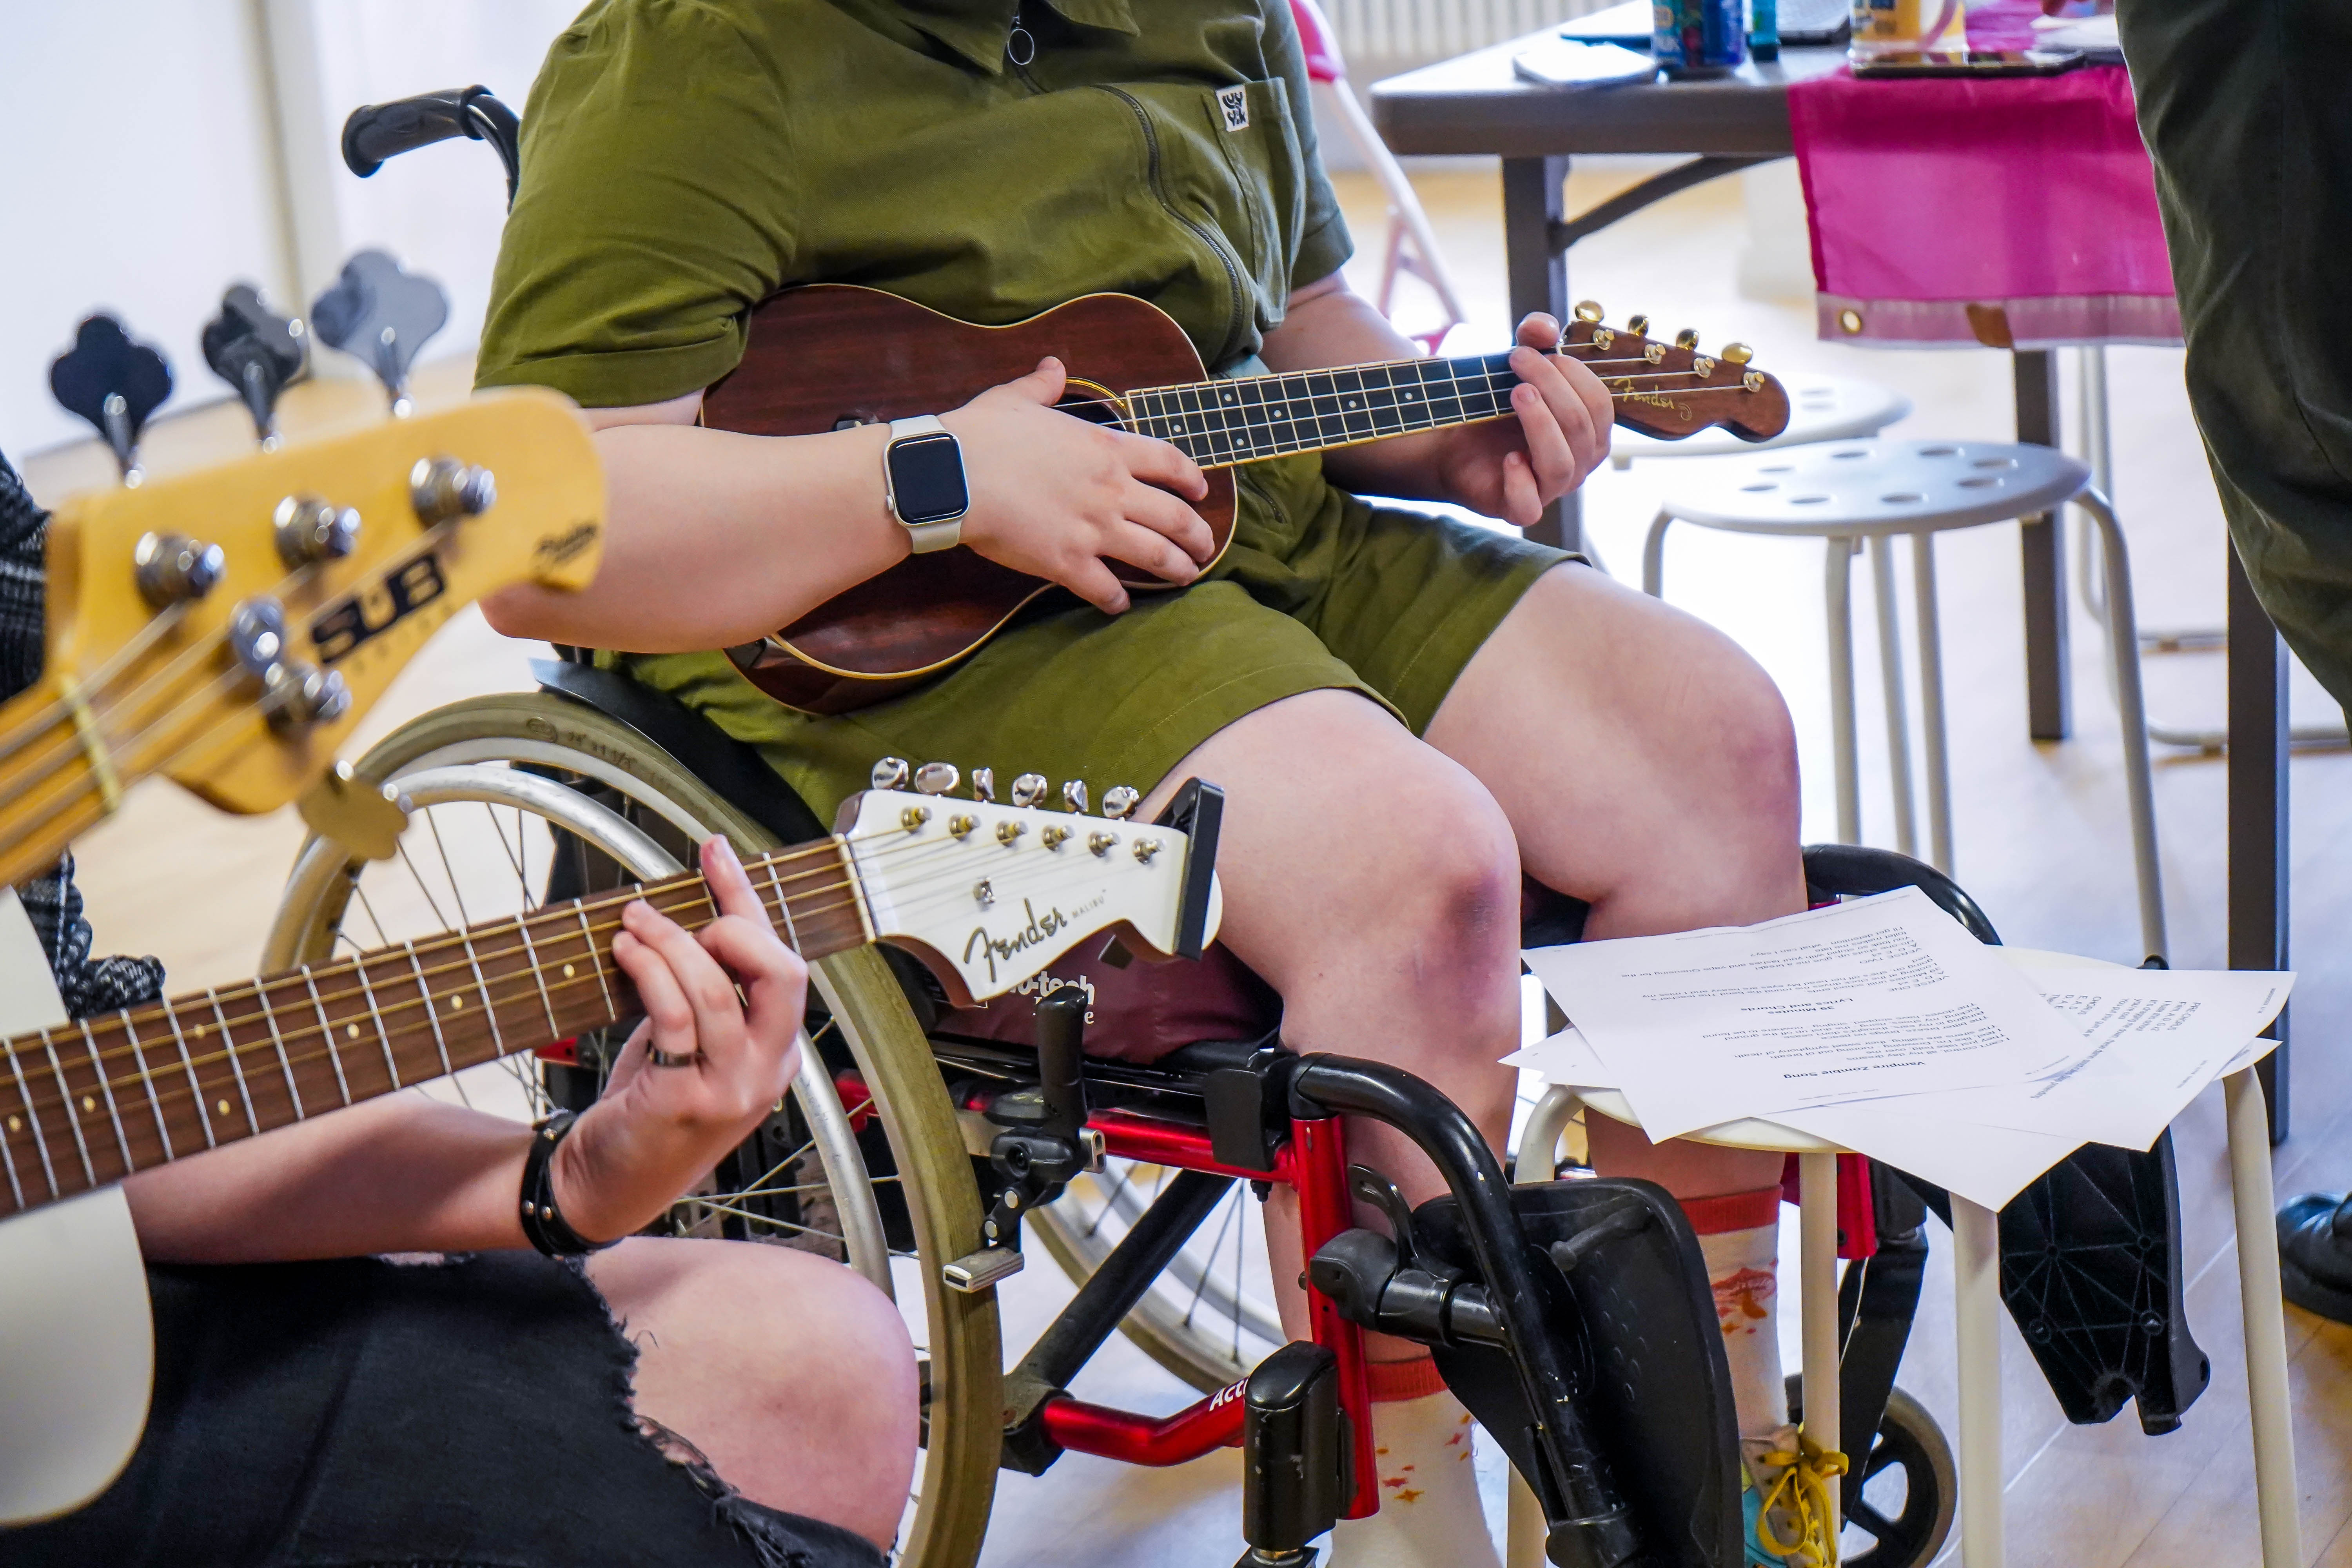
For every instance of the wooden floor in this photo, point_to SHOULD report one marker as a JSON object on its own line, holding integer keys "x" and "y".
{"x": 2041, "y": 837}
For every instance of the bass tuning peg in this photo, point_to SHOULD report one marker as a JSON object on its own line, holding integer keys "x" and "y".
{"x": 257, "y": 352}
{"x": 380, "y": 312}
{"x": 115, "y": 383}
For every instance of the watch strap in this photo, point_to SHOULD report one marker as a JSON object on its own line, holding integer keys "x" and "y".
{"x": 925, "y": 537}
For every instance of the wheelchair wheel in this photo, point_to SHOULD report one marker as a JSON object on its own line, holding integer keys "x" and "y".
{"x": 519, "y": 799}
{"x": 1900, "y": 1502}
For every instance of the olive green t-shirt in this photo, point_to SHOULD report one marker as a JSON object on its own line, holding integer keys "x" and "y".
{"x": 684, "y": 159}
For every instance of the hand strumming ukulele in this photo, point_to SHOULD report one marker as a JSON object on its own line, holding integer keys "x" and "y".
{"x": 833, "y": 355}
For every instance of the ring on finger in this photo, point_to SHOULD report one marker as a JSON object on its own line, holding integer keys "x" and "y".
{"x": 657, "y": 1056}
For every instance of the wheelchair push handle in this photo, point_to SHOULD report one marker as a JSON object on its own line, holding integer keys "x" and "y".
{"x": 376, "y": 131}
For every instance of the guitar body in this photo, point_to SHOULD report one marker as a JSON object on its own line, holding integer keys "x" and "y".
{"x": 831, "y": 353}
{"x": 78, "y": 1355}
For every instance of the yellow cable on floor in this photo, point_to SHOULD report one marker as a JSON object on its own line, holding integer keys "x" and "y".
{"x": 1802, "y": 1486}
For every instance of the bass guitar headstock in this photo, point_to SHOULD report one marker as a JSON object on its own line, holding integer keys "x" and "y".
{"x": 1673, "y": 390}
{"x": 229, "y": 626}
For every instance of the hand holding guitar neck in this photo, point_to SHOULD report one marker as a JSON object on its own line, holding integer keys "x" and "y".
{"x": 115, "y": 383}
{"x": 257, "y": 352}
{"x": 1513, "y": 469}
{"x": 1056, "y": 497}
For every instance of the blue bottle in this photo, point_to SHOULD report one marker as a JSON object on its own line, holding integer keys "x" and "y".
{"x": 1699, "y": 38}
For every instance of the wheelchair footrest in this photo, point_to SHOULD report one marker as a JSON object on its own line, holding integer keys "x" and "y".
{"x": 1651, "y": 1379}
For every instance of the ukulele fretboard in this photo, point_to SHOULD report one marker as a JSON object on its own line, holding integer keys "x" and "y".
{"x": 1245, "y": 418}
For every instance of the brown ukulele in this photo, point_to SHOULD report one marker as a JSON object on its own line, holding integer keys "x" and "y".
{"x": 831, "y": 355}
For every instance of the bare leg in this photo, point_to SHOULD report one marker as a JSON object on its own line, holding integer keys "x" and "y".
{"x": 1373, "y": 883}
{"x": 792, "y": 1374}
{"x": 1647, "y": 765}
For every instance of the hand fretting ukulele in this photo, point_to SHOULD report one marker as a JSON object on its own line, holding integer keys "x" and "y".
{"x": 831, "y": 355}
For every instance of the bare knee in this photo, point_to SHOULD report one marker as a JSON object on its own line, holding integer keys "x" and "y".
{"x": 792, "y": 1374}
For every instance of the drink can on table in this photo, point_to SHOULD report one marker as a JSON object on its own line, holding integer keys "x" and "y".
{"x": 1698, "y": 37}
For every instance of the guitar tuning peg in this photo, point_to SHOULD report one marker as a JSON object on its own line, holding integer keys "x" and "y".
{"x": 1737, "y": 354}
{"x": 1687, "y": 337}
{"x": 983, "y": 784}
{"x": 258, "y": 352}
{"x": 379, "y": 312}
{"x": 1074, "y": 796}
{"x": 1638, "y": 325}
{"x": 890, "y": 772}
{"x": 114, "y": 382}
{"x": 1028, "y": 789}
{"x": 937, "y": 778}
{"x": 1119, "y": 800}
{"x": 1589, "y": 311}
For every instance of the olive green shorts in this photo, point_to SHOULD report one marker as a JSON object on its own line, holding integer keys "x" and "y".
{"x": 1389, "y": 602}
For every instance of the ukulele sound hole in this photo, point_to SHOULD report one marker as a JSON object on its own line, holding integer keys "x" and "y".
{"x": 1091, "y": 404}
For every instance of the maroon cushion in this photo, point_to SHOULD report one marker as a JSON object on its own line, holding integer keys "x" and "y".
{"x": 1138, "y": 1013}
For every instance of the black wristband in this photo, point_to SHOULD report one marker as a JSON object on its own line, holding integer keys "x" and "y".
{"x": 543, "y": 1224}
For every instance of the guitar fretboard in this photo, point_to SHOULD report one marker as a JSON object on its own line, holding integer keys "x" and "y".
{"x": 85, "y": 1104}
{"x": 1246, "y": 418}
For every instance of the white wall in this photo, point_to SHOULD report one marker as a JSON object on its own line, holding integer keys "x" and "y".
{"x": 154, "y": 151}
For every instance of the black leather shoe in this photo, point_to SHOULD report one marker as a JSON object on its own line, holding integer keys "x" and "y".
{"x": 2315, "y": 1237}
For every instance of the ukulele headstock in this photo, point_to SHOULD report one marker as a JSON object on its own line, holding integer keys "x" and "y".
{"x": 229, "y": 626}
{"x": 1673, "y": 390}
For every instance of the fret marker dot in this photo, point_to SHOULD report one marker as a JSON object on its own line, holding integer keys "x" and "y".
{"x": 456, "y": 1004}
{"x": 224, "y": 1107}
{"x": 567, "y": 972}
{"x": 200, "y": 1031}
{"x": 87, "y": 1103}
{"x": 352, "y": 1030}
{"x": 15, "y": 1125}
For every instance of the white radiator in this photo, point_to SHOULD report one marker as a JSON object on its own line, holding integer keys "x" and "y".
{"x": 1394, "y": 32}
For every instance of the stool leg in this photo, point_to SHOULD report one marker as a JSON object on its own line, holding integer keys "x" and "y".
{"x": 1931, "y": 702}
{"x": 2123, "y": 633}
{"x": 1654, "y": 556}
{"x": 2265, "y": 1313}
{"x": 1976, "y": 1265}
{"x": 1890, "y": 677}
{"x": 1839, "y": 593}
{"x": 1817, "y": 1249}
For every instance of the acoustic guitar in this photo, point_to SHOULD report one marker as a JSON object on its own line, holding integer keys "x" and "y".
{"x": 986, "y": 895}
{"x": 831, "y": 355}
{"x": 228, "y": 626}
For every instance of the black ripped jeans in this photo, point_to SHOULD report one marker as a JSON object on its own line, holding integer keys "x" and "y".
{"x": 469, "y": 1414}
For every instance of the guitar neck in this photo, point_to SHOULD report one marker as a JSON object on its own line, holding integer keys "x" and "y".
{"x": 86, "y": 1104}
{"x": 1225, "y": 422}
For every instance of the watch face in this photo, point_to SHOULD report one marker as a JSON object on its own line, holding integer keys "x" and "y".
{"x": 926, "y": 479}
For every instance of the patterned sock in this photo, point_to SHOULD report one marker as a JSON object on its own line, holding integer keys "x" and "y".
{"x": 1430, "y": 1516}
{"x": 1739, "y": 1236}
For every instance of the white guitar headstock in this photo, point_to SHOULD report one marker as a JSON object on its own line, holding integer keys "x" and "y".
{"x": 988, "y": 895}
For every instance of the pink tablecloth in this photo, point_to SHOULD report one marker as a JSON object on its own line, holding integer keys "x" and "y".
{"x": 2017, "y": 212}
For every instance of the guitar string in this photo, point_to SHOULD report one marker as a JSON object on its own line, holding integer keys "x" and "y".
{"x": 565, "y": 917}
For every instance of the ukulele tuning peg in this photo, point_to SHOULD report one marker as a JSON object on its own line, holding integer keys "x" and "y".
{"x": 890, "y": 772}
{"x": 380, "y": 312}
{"x": 1737, "y": 354}
{"x": 937, "y": 778}
{"x": 1121, "y": 800}
{"x": 983, "y": 784}
{"x": 1074, "y": 796}
{"x": 114, "y": 382}
{"x": 1589, "y": 311}
{"x": 258, "y": 352}
{"x": 1028, "y": 789}
{"x": 1687, "y": 337}
{"x": 1638, "y": 325}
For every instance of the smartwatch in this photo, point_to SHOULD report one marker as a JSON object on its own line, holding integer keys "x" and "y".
{"x": 922, "y": 479}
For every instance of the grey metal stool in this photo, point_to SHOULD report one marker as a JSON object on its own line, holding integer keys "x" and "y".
{"x": 1854, "y": 493}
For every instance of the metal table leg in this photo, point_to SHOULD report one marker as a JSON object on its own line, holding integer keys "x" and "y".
{"x": 1976, "y": 1265}
{"x": 2258, "y": 825}
{"x": 2265, "y": 1315}
{"x": 1535, "y": 263}
{"x": 2048, "y": 697}
{"x": 1838, "y": 594}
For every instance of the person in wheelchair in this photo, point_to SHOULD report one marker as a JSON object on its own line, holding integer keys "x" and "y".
{"x": 647, "y": 1400}
{"x": 1414, "y": 717}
